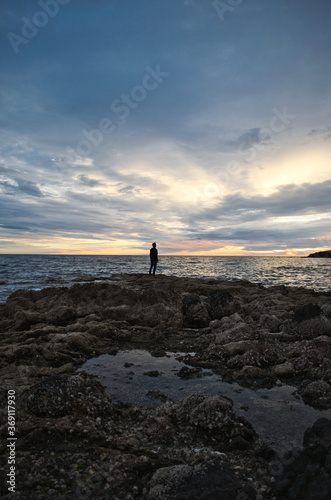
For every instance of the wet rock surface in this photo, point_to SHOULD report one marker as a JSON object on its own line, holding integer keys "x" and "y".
{"x": 74, "y": 442}
{"x": 306, "y": 473}
{"x": 211, "y": 480}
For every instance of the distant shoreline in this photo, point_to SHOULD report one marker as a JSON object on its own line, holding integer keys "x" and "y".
{"x": 321, "y": 255}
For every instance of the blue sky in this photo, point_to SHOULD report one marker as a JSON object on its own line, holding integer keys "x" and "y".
{"x": 202, "y": 125}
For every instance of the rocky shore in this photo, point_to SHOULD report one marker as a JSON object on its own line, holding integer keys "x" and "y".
{"x": 74, "y": 442}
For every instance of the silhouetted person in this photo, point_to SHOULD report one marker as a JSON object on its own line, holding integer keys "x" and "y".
{"x": 154, "y": 259}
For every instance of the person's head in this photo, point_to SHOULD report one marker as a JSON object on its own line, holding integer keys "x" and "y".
{"x": 154, "y": 245}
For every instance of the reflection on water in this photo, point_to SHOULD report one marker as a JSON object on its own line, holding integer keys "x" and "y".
{"x": 278, "y": 416}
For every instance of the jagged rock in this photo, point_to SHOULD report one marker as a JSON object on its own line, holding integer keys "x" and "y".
{"x": 186, "y": 373}
{"x": 318, "y": 394}
{"x": 307, "y": 329}
{"x": 195, "y": 312}
{"x": 75, "y": 443}
{"x": 157, "y": 395}
{"x": 221, "y": 303}
{"x": 252, "y": 375}
{"x": 210, "y": 417}
{"x": 58, "y": 396}
{"x": 152, "y": 373}
{"x": 62, "y": 315}
{"x": 283, "y": 369}
{"x": 304, "y": 474}
{"x": 205, "y": 481}
{"x": 306, "y": 312}
{"x": 319, "y": 433}
{"x": 312, "y": 357}
{"x": 271, "y": 322}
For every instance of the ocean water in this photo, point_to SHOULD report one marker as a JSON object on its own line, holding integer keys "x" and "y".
{"x": 39, "y": 271}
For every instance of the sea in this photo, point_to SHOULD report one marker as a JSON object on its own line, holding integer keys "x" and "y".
{"x": 39, "y": 271}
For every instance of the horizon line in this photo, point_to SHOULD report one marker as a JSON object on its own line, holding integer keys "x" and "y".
{"x": 267, "y": 254}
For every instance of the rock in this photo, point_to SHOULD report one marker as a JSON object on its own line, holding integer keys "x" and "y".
{"x": 195, "y": 312}
{"x": 319, "y": 433}
{"x": 215, "y": 324}
{"x": 326, "y": 309}
{"x": 304, "y": 474}
{"x": 79, "y": 341}
{"x": 210, "y": 417}
{"x": 241, "y": 347}
{"x": 157, "y": 395}
{"x": 48, "y": 398}
{"x": 266, "y": 452}
{"x": 186, "y": 373}
{"x": 62, "y": 315}
{"x": 76, "y": 443}
{"x": 306, "y": 312}
{"x": 58, "y": 396}
{"x": 317, "y": 394}
{"x": 221, "y": 303}
{"x": 271, "y": 322}
{"x": 233, "y": 331}
{"x": 25, "y": 319}
{"x": 152, "y": 373}
{"x": 283, "y": 370}
{"x": 205, "y": 481}
{"x": 308, "y": 328}
{"x": 251, "y": 372}
{"x": 276, "y": 468}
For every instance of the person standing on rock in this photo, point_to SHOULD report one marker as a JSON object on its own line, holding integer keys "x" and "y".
{"x": 153, "y": 254}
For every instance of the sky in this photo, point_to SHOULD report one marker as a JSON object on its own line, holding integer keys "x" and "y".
{"x": 202, "y": 125}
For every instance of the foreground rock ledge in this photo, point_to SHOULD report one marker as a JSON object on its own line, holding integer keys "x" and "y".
{"x": 95, "y": 449}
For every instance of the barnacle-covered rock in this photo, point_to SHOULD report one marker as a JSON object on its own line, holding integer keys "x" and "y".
{"x": 76, "y": 443}
{"x": 202, "y": 481}
{"x": 58, "y": 396}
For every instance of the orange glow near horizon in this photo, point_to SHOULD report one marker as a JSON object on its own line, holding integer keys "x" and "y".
{"x": 201, "y": 248}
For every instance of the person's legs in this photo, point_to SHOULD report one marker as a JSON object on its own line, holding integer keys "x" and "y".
{"x": 153, "y": 267}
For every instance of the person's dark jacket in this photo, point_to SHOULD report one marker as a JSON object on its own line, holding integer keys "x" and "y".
{"x": 153, "y": 254}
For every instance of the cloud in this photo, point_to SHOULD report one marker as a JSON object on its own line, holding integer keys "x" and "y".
{"x": 86, "y": 181}
{"x": 252, "y": 137}
{"x": 17, "y": 186}
{"x": 291, "y": 217}
{"x": 323, "y": 133}
{"x": 286, "y": 200}
{"x": 30, "y": 188}
{"x": 161, "y": 171}
{"x": 127, "y": 189}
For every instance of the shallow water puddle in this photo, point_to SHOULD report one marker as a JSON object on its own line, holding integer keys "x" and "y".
{"x": 137, "y": 377}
